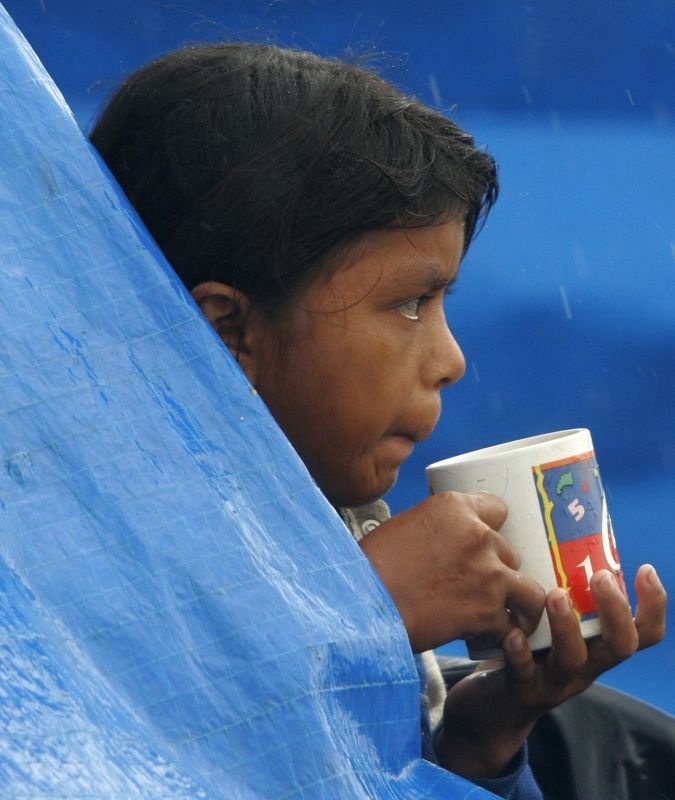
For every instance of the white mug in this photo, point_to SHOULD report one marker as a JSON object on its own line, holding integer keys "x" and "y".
{"x": 558, "y": 519}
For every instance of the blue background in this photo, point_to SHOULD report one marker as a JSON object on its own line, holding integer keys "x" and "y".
{"x": 566, "y": 306}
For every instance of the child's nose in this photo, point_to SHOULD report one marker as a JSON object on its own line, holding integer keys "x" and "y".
{"x": 450, "y": 361}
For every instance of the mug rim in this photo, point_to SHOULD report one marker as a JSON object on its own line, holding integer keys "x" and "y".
{"x": 507, "y": 448}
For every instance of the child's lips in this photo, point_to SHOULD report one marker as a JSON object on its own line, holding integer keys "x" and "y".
{"x": 404, "y": 437}
{"x": 403, "y": 441}
{"x": 413, "y": 436}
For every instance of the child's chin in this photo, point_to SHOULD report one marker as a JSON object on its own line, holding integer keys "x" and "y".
{"x": 378, "y": 489}
{"x": 363, "y": 485}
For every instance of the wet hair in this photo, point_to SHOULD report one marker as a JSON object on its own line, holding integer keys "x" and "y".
{"x": 253, "y": 165}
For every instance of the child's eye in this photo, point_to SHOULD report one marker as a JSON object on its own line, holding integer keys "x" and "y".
{"x": 411, "y": 308}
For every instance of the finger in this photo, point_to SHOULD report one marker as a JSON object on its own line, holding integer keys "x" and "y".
{"x": 490, "y": 508}
{"x": 619, "y": 634}
{"x": 518, "y": 659}
{"x": 492, "y": 511}
{"x": 525, "y": 598}
{"x": 650, "y": 615}
{"x": 506, "y": 552}
{"x": 501, "y": 625}
{"x": 568, "y": 653}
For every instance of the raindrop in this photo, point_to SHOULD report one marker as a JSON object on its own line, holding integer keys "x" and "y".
{"x": 526, "y": 94}
{"x": 435, "y": 91}
{"x": 630, "y": 97}
{"x": 474, "y": 369}
{"x": 554, "y": 119}
{"x": 565, "y": 301}
{"x": 580, "y": 261}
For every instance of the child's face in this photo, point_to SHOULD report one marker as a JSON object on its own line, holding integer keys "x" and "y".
{"x": 354, "y": 373}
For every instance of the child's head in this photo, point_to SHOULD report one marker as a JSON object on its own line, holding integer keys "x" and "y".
{"x": 317, "y": 214}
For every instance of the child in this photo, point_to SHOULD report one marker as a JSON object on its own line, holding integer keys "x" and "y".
{"x": 319, "y": 216}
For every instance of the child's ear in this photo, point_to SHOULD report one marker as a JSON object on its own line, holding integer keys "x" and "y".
{"x": 227, "y": 309}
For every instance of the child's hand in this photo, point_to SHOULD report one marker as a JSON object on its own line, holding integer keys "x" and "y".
{"x": 451, "y": 574}
{"x": 488, "y": 715}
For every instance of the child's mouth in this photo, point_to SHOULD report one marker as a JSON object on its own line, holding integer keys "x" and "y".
{"x": 403, "y": 442}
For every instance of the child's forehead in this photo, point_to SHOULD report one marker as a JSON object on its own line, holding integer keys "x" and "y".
{"x": 409, "y": 255}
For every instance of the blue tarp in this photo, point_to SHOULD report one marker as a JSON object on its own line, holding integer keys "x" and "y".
{"x": 182, "y": 614}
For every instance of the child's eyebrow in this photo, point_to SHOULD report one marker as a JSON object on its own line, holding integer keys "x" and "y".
{"x": 431, "y": 277}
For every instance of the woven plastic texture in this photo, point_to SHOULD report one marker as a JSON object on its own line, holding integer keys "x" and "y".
{"x": 181, "y": 612}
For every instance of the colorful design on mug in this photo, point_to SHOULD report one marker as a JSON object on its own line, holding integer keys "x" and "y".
{"x": 579, "y": 528}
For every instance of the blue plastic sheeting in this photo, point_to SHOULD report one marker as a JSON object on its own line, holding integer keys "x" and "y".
{"x": 183, "y": 614}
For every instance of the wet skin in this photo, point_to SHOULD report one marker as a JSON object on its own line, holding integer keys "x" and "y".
{"x": 354, "y": 369}
{"x": 353, "y": 372}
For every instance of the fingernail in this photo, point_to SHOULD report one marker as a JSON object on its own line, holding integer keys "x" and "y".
{"x": 561, "y": 604}
{"x": 605, "y": 581}
{"x": 653, "y": 578}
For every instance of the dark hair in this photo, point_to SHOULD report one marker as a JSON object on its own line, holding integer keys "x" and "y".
{"x": 252, "y": 164}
